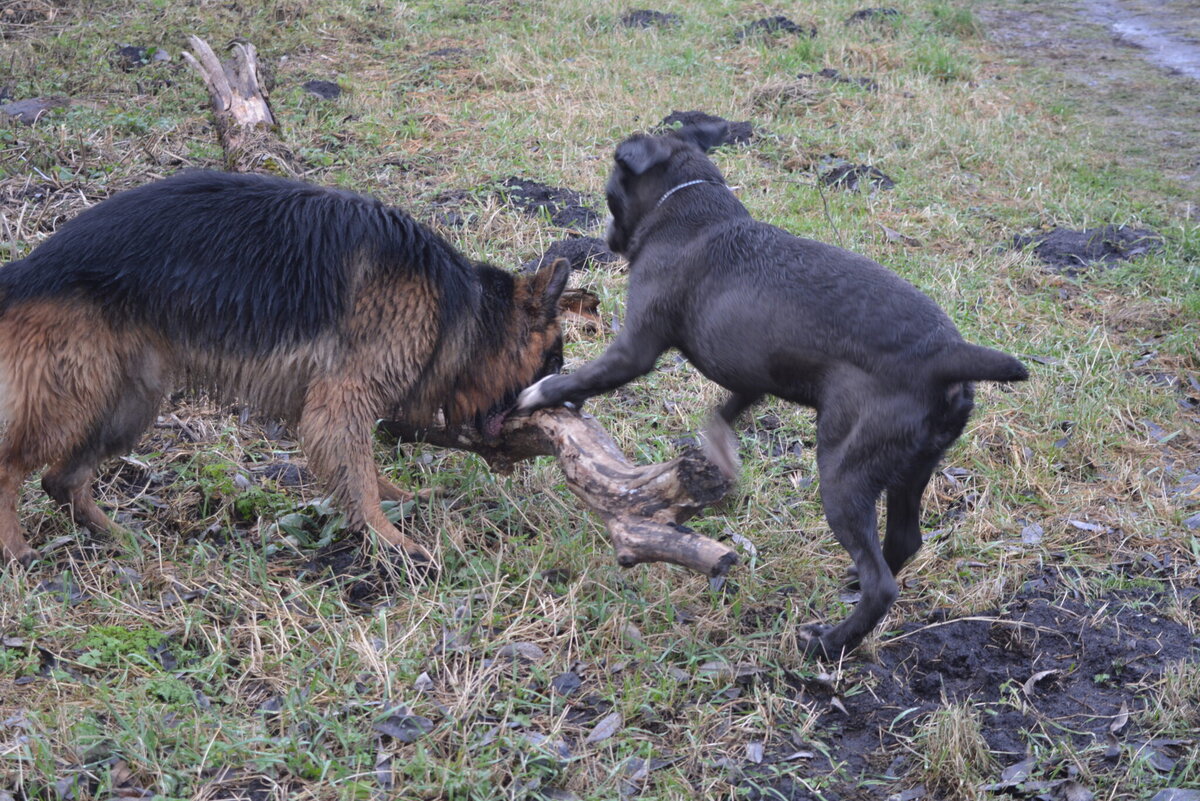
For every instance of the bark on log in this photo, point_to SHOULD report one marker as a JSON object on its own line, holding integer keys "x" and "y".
{"x": 245, "y": 125}
{"x": 642, "y": 506}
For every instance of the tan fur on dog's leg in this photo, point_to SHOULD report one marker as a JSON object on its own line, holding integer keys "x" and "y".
{"x": 13, "y": 546}
{"x": 335, "y": 429}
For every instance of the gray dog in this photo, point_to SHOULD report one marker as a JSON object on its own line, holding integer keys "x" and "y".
{"x": 760, "y": 312}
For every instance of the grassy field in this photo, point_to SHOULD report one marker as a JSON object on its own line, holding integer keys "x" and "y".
{"x": 1044, "y": 644}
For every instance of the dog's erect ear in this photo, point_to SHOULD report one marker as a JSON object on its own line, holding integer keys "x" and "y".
{"x": 549, "y": 284}
{"x": 704, "y": 135}
{"x": 640, "y": 154}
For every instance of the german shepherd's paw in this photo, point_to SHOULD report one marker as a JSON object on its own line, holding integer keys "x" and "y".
{"x": 24, "y": 558}
{"x": 416, "y": 563}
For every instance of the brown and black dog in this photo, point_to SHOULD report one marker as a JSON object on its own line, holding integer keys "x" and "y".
{"x": 762, "y": 312}
{"x": 322, "y": 307}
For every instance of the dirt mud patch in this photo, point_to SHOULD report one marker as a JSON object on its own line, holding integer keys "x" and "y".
{"x": 326, "y": 90}
{"x": 1098, "y": 48}
{"x": 1069, "y": 252}
{"x": 1043, "y": 667}
{"x": 872, "y": 15}
{"x": 649, "y": 18}
{"x": 33, "y": 109}
{"x": 830, "y": 74}
{"x": 739, "y": 133}
{"x": 773, "y": 26}
{"x": 856, "y": 177}
{"x": 583, "y": 252}
{"x": 565, "y": 208}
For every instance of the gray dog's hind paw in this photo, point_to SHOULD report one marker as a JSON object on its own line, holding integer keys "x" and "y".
{"x": 720, "y": 446}
{"x": 818, "y": 640}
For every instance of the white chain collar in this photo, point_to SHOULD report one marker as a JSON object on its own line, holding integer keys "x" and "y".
{"x": 685, "y": 185}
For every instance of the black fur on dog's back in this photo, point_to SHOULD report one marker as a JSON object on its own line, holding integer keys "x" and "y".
{"x": 217, "y": 284}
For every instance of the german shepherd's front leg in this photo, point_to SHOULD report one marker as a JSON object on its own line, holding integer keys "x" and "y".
{"x": 335, "y": 429}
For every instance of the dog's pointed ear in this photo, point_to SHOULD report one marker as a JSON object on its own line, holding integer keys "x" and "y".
{"x": 704, "y": 135}
{"x": 641, "y": 153}
{"x": 549, "y": 283}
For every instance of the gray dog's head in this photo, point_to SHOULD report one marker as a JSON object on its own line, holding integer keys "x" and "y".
{"x": 648, "y": 167}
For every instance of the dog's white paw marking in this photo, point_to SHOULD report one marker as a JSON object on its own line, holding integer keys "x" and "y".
{"x": 532, "y": 396}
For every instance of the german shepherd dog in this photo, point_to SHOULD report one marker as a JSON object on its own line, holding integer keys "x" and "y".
{"x": 322, "y": 307}
{"x": 762, "y": 312}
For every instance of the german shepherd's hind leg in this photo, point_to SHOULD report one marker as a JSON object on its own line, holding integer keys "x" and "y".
{"x": 336, "y": 426}
{"x": 116, "y": 430}
{"x": 13, "y": 546}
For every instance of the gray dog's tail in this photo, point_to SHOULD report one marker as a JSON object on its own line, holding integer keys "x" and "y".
{"x": 967, "y": 362}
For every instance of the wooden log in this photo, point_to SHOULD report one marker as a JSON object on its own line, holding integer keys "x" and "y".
{"x": 245, "y": 125}
{"x": 643, "y": 507}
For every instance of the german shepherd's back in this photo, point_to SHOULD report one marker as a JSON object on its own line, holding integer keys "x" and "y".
{"x": 323, "y": 307}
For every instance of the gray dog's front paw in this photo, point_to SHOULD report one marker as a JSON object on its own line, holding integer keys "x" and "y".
{"x": 538, "y": 395}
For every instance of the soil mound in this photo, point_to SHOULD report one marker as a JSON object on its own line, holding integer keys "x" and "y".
{"x": 581, "y": 251}
{"x": 773, "y": 25}
{"x": 647, "y": 18}
{"x": 566, "y": 208}
{"x": 740, "y": 133}
{"x": 1069, "y": 252}
{"x": 854, "y": 177}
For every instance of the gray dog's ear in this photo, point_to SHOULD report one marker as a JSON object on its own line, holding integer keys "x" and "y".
{"x": 640, "y": 154}
{"x": 704, "y": 135}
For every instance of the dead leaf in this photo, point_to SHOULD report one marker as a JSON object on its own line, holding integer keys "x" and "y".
{"x": 896, "y": 236}
{"x": 1176, "y": 794}
{"x": 608, "y": 726}
{"x": 799, "y": 755}
{"x": 581, "y": 308}
{"x": 754, "y": 752}
{"x": 1031, "y": 683}
{"x": 405, "y": 728}
{"x": 724, "y": 670}
{"x": 1032, "y": 534}
{"x": 1120, "y": 720}
{"x": 521, "y": 650}
{"x": 1074, "y": 791}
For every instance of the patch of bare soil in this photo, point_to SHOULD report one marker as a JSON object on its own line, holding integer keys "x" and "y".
{"x": 740, "y": 133}
{"x": 566, "y": 208}
{"x": 772, "y": 26}
{"x": 1070, "y": 252}
{"x": 649, "y": 18}
{"x": 1044, "y": 667}
{"x": 1113, "y": 56}
{"x": 581, "y": 251}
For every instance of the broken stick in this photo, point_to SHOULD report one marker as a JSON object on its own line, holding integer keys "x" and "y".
{"x": 245, "y": 125}
{"x": 642, "y": 506}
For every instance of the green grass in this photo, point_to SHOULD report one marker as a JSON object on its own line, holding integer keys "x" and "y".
{"x": 202, "y": 656}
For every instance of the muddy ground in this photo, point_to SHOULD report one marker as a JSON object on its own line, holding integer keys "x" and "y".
{"x": 1133, "y": 64}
